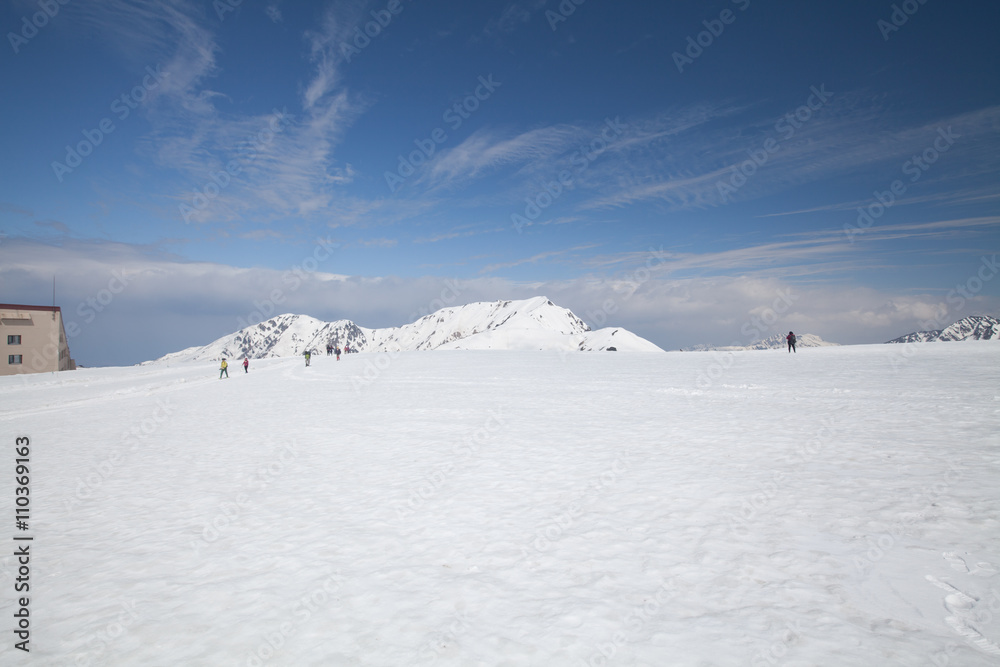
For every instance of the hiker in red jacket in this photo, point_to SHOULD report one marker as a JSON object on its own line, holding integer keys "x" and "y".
{"x": 246, "y": 364}
{"x": 791, "y": 342}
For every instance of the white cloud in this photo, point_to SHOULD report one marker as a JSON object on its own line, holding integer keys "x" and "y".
{"x": 377, "y": 243}
{"x": 463, "y": 231}
{"x": 485, "y": 151}
{"x": 537, "y": 258}
{"x": 686, "y": 169}
{"x": 289, "y": 171}
{"x": 167, "y": 304}
{"x": 513, "y": 16}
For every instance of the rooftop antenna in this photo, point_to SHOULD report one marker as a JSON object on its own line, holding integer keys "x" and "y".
{"x": 53, "y": 290}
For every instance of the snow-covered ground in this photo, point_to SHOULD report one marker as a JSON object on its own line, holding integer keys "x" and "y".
{"x": 774, "y": 342}
{"x": 838, "y": 506}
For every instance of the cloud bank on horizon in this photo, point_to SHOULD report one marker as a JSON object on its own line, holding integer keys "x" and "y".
{"x": 678, "y": 170}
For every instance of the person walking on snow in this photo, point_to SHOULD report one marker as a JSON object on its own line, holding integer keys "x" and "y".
{"x": 246, "y": 364}
{"x": 307, "y": 355}
{"x": 224, "y": 368}
{"x": 791, "y": 342}
{"x": 336, "y": 351}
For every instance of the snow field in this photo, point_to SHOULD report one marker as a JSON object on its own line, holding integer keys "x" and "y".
{"x": 835, "y": 506}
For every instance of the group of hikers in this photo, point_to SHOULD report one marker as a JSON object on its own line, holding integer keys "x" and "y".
{"x": 332, "y": 349}
{"x": 224, "y": 368}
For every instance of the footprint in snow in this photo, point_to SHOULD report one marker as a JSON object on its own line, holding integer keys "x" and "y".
{"x": 962, "y": 615}
{"x": 983, "y": 568}
{"x": 956, "y": 561}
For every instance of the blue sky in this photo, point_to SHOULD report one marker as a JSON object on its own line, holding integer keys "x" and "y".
{"x": 673, "y": 168}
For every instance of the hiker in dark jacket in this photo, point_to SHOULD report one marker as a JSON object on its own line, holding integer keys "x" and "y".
{"x": 791, "y": 342}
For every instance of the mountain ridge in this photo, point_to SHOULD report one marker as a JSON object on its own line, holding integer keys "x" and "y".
{"x": 528, "y": 324}
{"x": 972, "y": 327}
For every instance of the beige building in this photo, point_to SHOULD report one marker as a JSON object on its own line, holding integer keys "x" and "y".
{"x": 33, "y": 340}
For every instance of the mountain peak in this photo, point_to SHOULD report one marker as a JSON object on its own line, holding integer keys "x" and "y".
{"x": 530, "y": 324}
{"x": 973, "y": 327}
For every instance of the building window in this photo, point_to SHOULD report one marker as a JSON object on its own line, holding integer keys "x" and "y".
{"x": 14, "y": 340}
{"x": 13, "y": 359}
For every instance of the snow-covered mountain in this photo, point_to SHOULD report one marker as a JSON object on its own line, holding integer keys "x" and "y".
{"x": 530, "y": 324}
{"x": 974, "y": 327}
{"x": 775, "y": 342}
